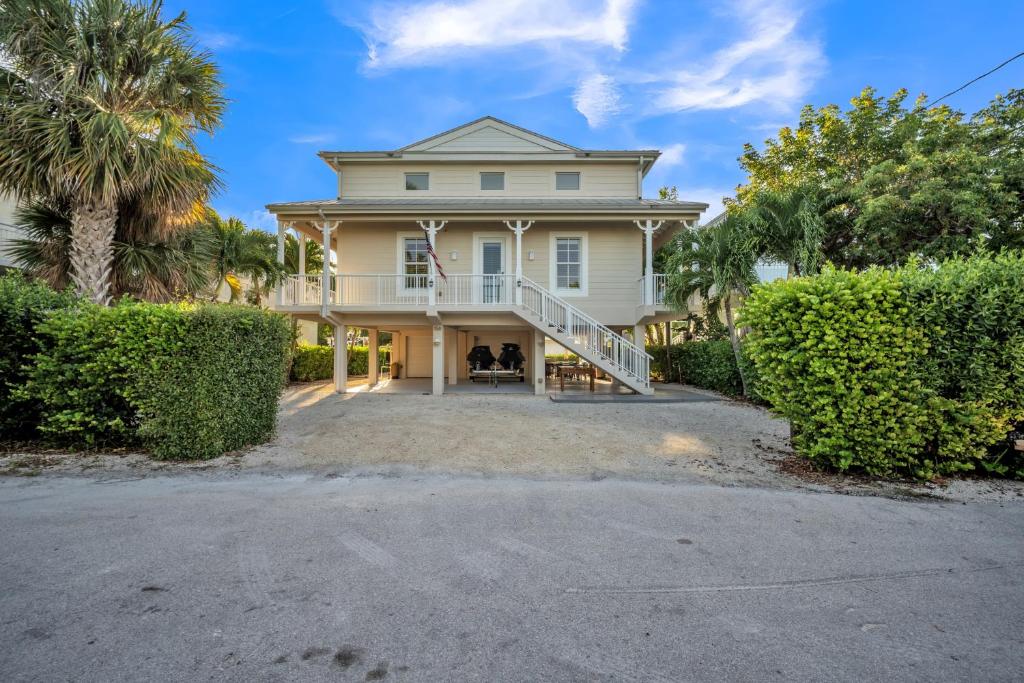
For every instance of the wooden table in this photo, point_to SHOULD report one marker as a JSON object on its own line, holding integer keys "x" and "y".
{"x": 563, "y": 370}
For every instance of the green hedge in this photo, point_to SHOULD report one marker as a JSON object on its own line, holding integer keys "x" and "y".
{"x": 918, "y": 371}
{"x": 185, "y": 381}
{"x": 313, "y": 363}
{"x": 23, "y": 305}
{"x": 704, "y": 364}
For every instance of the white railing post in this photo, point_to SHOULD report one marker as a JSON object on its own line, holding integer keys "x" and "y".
{"x": 519, "y": 227}
{"x": 431, "y": 228}
{"x": 281, "y": 227}
{"x": 649, "y": 227}
{"x": 325, "y": 275}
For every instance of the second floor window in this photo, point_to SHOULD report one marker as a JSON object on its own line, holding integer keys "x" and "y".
{"x": 417, "y": 181}
{"x": 567, "y": 181}
{"x": 568, "y": 262}
{"x": 492, "y": 180}
{"x": 415, "y": 266}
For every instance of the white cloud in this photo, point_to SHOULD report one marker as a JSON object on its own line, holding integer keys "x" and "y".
{"x": 312, "y": 139}
{"x": 712, "y": 196}
{"x": 769, "y": 63}
{"x": 597, "y": 98}
{"x": 260, "y": 218}
{"x": 671, "y": 155}
{"x": 431, "y": 31}
{"x": 217, "y": 40}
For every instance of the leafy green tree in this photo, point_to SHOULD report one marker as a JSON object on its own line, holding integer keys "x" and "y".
{"x": 716, "y": 263}
{"x": 147, "y": 265}
{"x": 100, "y": 101}
{"x": 894, "y": 182}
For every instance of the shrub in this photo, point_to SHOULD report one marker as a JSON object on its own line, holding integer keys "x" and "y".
{"x": 704, "y": 364}
{"x": 916, "y": 371}
{"x": 313, "y": 363}
{"x": 23, "y": 305}
{"x": 972, "y": 312}
{"x": 185, "y": 381}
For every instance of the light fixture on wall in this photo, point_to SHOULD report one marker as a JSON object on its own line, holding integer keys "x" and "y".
{"x": 454, "y": 255}
{"x": 530, "y": 255}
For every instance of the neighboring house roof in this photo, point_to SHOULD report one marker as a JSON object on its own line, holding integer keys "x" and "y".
{"x": 489, "y": 136}
{"x": 502, "y": 205}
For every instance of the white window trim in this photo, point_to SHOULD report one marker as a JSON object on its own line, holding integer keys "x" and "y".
{"x": 554, "y": 180}
{"x": 553, "y": 264}
{"x": 400, "y": 238}
{"x": 426, "y": 173}
{"x": 504, "y": 182}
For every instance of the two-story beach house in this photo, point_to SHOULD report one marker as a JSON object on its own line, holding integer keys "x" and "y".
{"x": 484, "y": 235}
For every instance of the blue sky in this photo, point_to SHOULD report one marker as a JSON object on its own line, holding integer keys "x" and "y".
{"x": 695, "y": 79}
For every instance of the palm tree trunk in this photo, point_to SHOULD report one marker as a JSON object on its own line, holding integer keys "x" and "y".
{"x": 92, "y": 249}
{"x": 735, "y": 340}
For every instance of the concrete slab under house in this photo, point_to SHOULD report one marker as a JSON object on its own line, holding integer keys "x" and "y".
{"x": 488, "y": 235}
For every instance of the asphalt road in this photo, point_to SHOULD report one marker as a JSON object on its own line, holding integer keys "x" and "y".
{"x": 255, "y": 577}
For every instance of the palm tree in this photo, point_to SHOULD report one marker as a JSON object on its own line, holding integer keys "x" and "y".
{"x": 717, "y": 263}
{"x": 100, "y": 101}
{"x": 239, "y": 253}
{"x": 790, "y": 228}
{"x": 146, "y": 264}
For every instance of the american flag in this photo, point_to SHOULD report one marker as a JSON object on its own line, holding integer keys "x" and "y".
{"x": 433, "y": 255}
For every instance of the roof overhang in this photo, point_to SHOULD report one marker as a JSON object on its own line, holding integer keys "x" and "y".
{"x": 645, "y": 157}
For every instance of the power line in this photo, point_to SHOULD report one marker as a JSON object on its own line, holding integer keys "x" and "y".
{"x": 975, "y": 80}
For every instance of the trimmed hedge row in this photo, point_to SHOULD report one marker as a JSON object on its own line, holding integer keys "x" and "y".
{"x": 704, "y": 364}
{"x": 918, "y": 371}
{"x": 23, "y": 305}
{"x": 313, "y": 363}
{"x": 184, "y": 381}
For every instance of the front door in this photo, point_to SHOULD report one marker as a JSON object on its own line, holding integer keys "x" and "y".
{"x": 492, "y": 268}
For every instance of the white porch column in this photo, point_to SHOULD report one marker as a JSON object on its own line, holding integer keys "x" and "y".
{"x": 302, "y": 253}
{"x": 437, "y": 373}
{"x": 372, "y": 360}
{"x": 325, "y": 277}
{"x": 639, "y": 335}
{"x": 649, "y": 227}
{"x": 281, "y": 228}
{"x": 519, "y": 227}
{"x": 537, "y": 361}
{"x": 431, "y": 228}
{"x": 452, "y": 347}
{"x": 340, "y": 358}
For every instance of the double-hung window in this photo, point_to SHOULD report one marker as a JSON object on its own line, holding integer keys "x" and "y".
{"x": 568, "y": 263}
{"x": 415, "y": 257}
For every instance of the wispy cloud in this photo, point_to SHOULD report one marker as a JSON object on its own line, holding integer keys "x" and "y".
{"x": 312, "y": 139}
{"x": 218, "y": 40}
{"x": 597, "y": 99}
{"x": 427, "y": 32}
{"x": 770, "y": 63}
{"x": 671, "y": 155}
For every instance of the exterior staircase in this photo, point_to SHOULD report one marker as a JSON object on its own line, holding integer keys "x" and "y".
{"x": 585, "y": 336}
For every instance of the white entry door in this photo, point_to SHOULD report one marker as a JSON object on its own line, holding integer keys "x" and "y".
{"x": 492, "y": 268}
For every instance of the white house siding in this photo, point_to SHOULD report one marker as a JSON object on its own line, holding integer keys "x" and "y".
{"x": 614, "y": 257}
{"x": 7, "y": 230}
{"x": 488, "y": 138}
{"x": 454, "y": 179}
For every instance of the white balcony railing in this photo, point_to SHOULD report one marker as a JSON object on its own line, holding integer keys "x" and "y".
{"x": 652, "y": 289}
{"x": 400, "y": 290}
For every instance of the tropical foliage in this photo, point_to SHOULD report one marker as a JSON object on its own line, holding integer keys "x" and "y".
{"x": 100, "y": 102}
{"x": 239, "y": 254}
{"x": 917, "y": 371}
{"x": 894, "y": 182}
{"x": 148, "y": 263}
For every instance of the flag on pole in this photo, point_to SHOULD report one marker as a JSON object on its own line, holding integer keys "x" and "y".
{"x": 433, "y": 255}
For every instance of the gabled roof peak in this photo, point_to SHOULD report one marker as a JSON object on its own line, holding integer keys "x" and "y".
{"x": 502, "y": 128}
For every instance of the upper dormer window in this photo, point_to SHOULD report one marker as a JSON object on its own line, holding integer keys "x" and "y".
{"x": 567, "y": 181}
{"x": 417, "y": 181}
{"x": 492, "y": 180}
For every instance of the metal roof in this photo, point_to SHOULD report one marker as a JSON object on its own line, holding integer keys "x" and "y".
{"x": 489, "y": 204}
